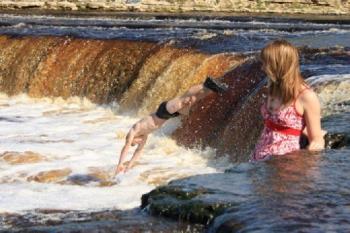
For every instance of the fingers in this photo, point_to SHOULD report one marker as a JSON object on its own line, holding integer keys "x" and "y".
{"x": 119, "y": 169}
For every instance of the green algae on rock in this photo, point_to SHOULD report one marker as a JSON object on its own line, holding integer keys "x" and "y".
{"x": 181, "y": 203}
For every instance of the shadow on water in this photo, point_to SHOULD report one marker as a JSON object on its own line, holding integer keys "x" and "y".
{"x": 301, "y": 192}
{"x": 298, "y": 193}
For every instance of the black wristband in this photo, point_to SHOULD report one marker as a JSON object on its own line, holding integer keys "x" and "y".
{"x": 163, "y": 113}
{"x": 215, "y": 85}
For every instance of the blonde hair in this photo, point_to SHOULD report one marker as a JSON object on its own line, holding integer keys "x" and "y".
{"x": 281, "y": 63}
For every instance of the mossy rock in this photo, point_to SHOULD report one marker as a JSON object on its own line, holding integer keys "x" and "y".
{"x": 181, "y": 203}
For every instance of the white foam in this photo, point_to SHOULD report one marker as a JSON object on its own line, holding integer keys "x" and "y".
{"x": 333, "y": 91}
{"x": 314, "y": 80}
{"x": 79, "y": 135}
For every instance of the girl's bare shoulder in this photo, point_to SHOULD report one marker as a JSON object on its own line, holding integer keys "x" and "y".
{"x": 309, "y": 96}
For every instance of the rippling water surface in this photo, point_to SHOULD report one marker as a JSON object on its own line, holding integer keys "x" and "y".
{"x": 59, "y": 155}
{"x": 238, "y": 34}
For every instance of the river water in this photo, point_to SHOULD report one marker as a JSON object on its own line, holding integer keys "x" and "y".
{"x": 58, "y": 154}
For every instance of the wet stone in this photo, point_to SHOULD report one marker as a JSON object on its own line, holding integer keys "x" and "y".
{"x": 88, "y": 179}
{"x": 184, "y": 203}
{"x": 52, "y": 176}
{"x": 336, "y": 140}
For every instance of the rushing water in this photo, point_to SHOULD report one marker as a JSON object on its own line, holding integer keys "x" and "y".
{"x": 82, "y": 141}
{"x": 239, "y": 34}
{"x": 59, "y": 154}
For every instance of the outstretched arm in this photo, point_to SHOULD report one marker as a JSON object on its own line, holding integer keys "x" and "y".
{"x": 128, "y": 142}
{"x": 138, "y": 136}
{"x": 138, "y": 152}
{"x": 139, "y": 132}
{"x": 183, "y": 103}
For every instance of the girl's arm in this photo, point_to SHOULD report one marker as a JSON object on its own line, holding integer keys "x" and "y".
{"x": 312, "y": 114}
{"x": 138, "y": 152}
{"x": 128, "y": 141}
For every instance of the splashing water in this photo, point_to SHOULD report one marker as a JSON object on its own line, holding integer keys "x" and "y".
{"x": 64, "y": 151}
{"x": 333, "y": 91}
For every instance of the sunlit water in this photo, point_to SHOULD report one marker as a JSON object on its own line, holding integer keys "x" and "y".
{"x": 82, "y": 142}
{"x": 239, "y": 34}
{"x": 60, "y": 154}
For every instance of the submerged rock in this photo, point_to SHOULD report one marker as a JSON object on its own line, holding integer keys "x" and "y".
{"x": 336, "y": 140}
{"x": 183, "y": 203}
{"x": 13, "y": 157}
{"x": 52, "y": 176}
{"x": 95, "y": 177}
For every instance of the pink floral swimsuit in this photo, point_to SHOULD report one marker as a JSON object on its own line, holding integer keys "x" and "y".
{"x": 281, "y": 133}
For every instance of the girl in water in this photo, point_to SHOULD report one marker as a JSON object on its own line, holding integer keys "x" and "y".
{"x": 291, "y": 109}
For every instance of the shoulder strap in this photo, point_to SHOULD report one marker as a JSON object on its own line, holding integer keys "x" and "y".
{"x": 301, "y": 92}
{"x": 295, "y": 109}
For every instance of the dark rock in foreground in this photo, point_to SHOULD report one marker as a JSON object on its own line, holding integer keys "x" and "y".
{"x": 181, "y": 203}
{"x": 292, "y": 193}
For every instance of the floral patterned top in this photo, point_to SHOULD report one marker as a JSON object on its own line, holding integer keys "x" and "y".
{"x": 281, "y": 133}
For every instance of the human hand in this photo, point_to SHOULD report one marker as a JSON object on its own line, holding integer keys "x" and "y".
{"x": 120, "y": 168}
{"x": 316, "y": 145}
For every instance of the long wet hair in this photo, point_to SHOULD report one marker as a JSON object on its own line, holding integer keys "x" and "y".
{"x": 280, "y": 61}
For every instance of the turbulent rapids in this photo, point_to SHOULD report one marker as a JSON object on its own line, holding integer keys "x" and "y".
{"x": 68, "y": 102}
{"x": 138, "y": 76}
{"x": 79, "y": 82}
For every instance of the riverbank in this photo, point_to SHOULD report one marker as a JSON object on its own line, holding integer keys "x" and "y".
{"x": 324, "y": 7}
{"x": 238, "y": 16}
